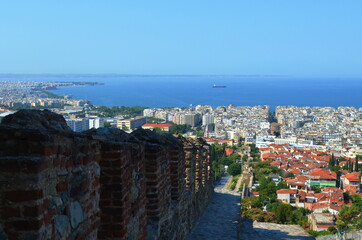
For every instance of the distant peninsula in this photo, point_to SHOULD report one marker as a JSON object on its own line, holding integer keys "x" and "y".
{"x": 106, "y": 75}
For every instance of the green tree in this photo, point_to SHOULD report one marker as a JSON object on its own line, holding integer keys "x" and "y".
{"x": 120, "y": 110}
{"x": 266, "y": 189}
{"x": 217, "y": 152}
{"x": 289, "y": 175}
{"x": 272, "y": 207}
{"x": 251, "y": 202}
{"x": 357, "y": 201}
{"x": 107, "y": 124}
{"x": 158, "y": 130}
{"x": 226, "y": 160}
{"x": 180, "y": 128}
{"x": 332, "y": 230}
{"x": 234, "y": 169}
{"x": 282, "y": 185}
{"x": 348, "y": 214}
{"x": 234, "y": 157}
{"x": 154, "y": 120}
{"x": 335, "y": 169}
{"x": 283, "y": 213}
{"x": 316, "y": 189}
{"x": 356, "y": 164}
{"x": 332, "y": 162}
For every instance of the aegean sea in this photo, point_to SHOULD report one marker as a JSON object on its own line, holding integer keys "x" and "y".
{"x": 186, "y": 91}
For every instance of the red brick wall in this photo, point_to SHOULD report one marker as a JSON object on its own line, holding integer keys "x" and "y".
{"x": 101, "y": 184}
{"x": 47, "y": 189}
{"x": 122, "y": 192}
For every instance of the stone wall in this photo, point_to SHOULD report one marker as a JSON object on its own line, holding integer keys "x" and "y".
{"x": 99, "y": 184}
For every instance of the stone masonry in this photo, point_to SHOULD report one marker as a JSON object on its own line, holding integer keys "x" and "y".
{"x": 99, "y": 184}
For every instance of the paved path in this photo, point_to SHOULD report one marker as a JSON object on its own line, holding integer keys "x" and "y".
{"x": 273, "y": 231}
{"x": 220, "y": 221}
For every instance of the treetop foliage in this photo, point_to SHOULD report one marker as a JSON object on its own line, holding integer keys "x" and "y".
{"x": 120, "y": 110}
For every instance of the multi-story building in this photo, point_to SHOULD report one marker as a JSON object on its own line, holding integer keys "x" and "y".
{"x": 165, "y": 127}
{"x": 321, "y": 177}
{"x": 351, "y": 182}
{"x": 83, "y": 124}
{"x": 193, "y": 120}
{"x": 77, "y": 125}
{"x": 131, "y": 123}
{"x": 95, "y": 122}
{"x": 178, "y": 118}
{"x": 208, "y": 119}
{"x": 149, "y": 112}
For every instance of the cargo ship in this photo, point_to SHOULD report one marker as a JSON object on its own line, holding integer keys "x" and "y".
{"x": 218, "y": 86}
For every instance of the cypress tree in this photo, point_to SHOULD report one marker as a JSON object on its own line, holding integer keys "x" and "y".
{"x": 348, "y": 165}
{"x": 331, "y": 161}
{"x": 356, "y": 164}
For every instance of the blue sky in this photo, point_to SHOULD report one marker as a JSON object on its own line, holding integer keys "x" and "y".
{"x": 299, "y": 38}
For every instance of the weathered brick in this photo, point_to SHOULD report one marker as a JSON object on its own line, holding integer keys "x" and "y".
{"x": 112, "y": 155}
{"x": 25, "y": 225}
{"x": 9, "y": 212}
{"x": 112, "y": 210}
{"x": 104, "y": 234}
{"x": 62, "y": 186}
{"x": 48, "y": 216}
{"x": 129, "y": 167}
{"x": 104, "y": 163}
{"x": 33, "y": 211}
{"x": 22, "y": 196}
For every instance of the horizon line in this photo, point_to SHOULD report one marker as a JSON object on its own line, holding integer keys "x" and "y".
{"x": 2, "y": 75}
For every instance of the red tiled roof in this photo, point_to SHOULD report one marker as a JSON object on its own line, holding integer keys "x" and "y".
{"x": 302, "y": 178}
{"x": 353, "y": 177}
{"x": 342, "y": 163}
{"x": 275, "y": 163}
{"x": 286, "y": 191}
{"x": 229, "y": 151}
{"x": 332, "y": 189}
{"x": 350, "y": 188}
{"x": 324, "y": 226}
{"x": 321, "y": 173}
{"x": 217, "y": 140}
{"x": 320, "y": 205}
{"x": 295, "y": 171}
{"x": 265, "y": 149}
{"x": 321, "y": 196}
{"x": 298, "y": 184}
{"x": 159, "y": 125}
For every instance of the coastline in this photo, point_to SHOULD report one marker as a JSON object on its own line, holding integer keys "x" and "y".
{"x": 183, "y": 92}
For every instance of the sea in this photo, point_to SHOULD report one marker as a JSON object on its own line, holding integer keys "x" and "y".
{"x": 186, "y": 91}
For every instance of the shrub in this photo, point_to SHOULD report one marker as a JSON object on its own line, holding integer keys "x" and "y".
{"x": 318, "y": 233}
{"x": 233, "y": 185}
{"x": 234, "y": 169}
{"x": 332, "y": 230}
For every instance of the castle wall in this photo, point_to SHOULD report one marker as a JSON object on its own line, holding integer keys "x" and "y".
{"x": 49, "y": 185}
{"x": 100, "y": 184}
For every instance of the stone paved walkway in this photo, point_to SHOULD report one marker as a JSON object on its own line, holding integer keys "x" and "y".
{"x": 273, "y": 231}
{"x": 220, "y": 221}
